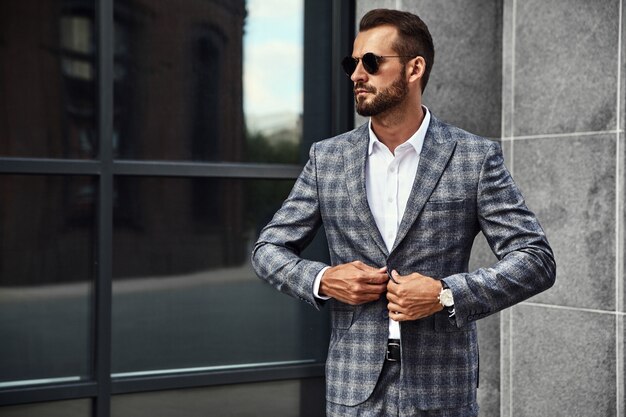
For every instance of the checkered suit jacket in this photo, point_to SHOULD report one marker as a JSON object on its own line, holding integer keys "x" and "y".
{"x": 461, "y": 188}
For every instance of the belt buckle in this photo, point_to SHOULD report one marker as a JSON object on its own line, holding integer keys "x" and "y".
{"x": 390, "y": 359}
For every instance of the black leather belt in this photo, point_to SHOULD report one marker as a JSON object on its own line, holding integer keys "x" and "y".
{"x": 393, "y": 350}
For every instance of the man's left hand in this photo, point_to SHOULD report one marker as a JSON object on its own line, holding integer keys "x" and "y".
{"x": 415, "y": 296}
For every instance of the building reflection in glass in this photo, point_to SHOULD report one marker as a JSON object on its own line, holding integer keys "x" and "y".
{"x": 211, "y": 80}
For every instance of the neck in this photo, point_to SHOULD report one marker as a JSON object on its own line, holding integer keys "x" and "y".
{"x": 395, "y": 127}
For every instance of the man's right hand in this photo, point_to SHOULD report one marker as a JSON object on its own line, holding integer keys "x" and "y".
{"x": 354, "y": 283}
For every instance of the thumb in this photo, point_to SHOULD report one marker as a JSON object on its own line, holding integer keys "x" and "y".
{"x": 395, "y": 277}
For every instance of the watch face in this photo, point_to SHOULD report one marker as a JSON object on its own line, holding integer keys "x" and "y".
{"x": 446, "y": 298}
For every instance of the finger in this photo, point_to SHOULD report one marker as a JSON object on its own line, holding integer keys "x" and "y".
{"x": 391, "y": 306}
{"x": 377, "y": 279}
{"x": 392, "y": 298}
{"x": 391, "y": 277}
{"x": 367, "y": 268}
{"x": 397, "y": 316}
{"x": 393, "y": 287}
{"x": 375, "y": 289}
{"x": 362, "y": 266}
{"x": 373, "y": 276}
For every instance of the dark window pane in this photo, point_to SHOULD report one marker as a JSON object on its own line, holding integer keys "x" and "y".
{"x": 293, "y": 398}
{"x": 47, "y": 79}
{"x": 184, "y": 293}
{"x": 73, "y": 408}
{"x": 46, "y": 276}
{"x": 209, "y": 81}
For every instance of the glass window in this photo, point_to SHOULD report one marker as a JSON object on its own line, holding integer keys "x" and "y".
{"x": 273, "y": 73}
{"x": 291, "y": 398}
{"x": 209, "y": 81}
{"x": 47, "y": 79}
{"x": 184, "y": 293}
{"x": 46, "y": 275}
{"x": 73, "y": 408}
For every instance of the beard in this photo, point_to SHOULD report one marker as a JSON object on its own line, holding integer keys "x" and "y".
{"x": 387, "y": 99}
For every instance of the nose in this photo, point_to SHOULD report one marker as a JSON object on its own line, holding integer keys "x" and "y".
{"x": 359, "y": 73}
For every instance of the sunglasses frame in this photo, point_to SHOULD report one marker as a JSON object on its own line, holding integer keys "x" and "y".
{"x": 371, "y": 62}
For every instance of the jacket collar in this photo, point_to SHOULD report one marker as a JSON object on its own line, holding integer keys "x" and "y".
{"x": 436, "y": 151}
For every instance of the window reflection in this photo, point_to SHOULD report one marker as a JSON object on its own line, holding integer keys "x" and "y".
{"x": 78, "y": 58}
{"x": 205, "y": 81}
{"x": 46, "y": 273}
{"x": 273, "y": 68}
{"x": 185, "y": 295}
{"x": 77, "y": 43}
{"x": 209, "y": 81}
{"x": 290, "y": 398}
{"x": 47, "y": 79}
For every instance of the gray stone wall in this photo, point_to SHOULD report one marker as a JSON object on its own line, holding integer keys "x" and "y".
{"x": 545, "y": 77}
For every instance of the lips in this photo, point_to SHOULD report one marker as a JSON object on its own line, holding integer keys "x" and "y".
{"x": 362, "y": 89}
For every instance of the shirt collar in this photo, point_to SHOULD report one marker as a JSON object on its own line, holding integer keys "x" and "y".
{"x": 416, "y": 140}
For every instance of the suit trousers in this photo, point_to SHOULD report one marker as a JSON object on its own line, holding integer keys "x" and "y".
{"x": 387, "y": 401}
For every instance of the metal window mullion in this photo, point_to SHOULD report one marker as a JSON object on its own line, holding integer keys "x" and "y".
{"x": 206, "y": 169}
{"x": 45, "y": 166}
{"x": 343, "y": 36}
{"x": 103, "y": 286}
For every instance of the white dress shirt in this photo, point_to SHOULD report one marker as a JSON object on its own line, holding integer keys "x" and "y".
{"x": 389, "y": 179}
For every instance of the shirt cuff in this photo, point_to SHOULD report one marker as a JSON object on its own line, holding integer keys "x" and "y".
{"x": 316, "y": 285}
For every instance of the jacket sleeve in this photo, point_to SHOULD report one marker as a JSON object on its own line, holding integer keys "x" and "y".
{"x": 276, "y": 254}
{"x": 525, "y": 264}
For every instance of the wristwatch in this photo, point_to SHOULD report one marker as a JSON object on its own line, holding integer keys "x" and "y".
{"x": 446, "y": 299}
{"x": 445, "y": 296}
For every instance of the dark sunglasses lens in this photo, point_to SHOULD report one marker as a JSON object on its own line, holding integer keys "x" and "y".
{"x": 370, "y": 63}
{"x": 349, "y": 65}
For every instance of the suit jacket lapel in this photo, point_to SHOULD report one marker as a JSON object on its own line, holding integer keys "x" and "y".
{"x": 355, "y": 155}
{"x": 436, "y": 151}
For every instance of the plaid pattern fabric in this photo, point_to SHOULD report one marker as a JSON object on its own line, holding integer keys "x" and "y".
{"x": 387, "y": 401}
{"x": 461, "y": 188}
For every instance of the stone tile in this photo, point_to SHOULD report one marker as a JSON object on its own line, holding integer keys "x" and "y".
{"x": 621, "y": 92}
{"x": 565, "y": 66}
{"x": 505, "y": 361}
{"x": 621, "y": 157}
{"x": 481, "y": 256}
{"x": 364, "y": 6}
{"x": 507, "y": 152}
{"x": 465, "y": 84}
{"x": 573, "y": 196}
{"x": 621, "y": 377}
{"x": 489, "y": 381}
{"x": 507, "y": 67}
{"x": 556, "y": 372}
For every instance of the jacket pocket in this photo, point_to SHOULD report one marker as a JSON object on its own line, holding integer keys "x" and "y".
{"x": 445, "y": 205}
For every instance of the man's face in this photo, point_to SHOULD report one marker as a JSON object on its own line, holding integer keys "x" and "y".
{"x": 388, "y": 87}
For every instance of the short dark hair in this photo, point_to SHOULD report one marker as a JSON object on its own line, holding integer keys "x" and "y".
{"x": 414, "y": 37}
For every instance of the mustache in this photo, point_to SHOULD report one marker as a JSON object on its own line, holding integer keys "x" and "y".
{"x": 362, "y": 86}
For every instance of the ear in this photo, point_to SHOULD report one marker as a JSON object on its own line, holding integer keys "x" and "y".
{"x": 416, "y": 69}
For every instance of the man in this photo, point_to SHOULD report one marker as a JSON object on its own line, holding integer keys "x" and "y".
{"x": 401, "y": 199}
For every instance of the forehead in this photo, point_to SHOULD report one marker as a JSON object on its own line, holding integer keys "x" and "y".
{"x": 378, "y": 40}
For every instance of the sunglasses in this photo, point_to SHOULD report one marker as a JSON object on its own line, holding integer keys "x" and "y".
{"x": 370, "y": 62}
